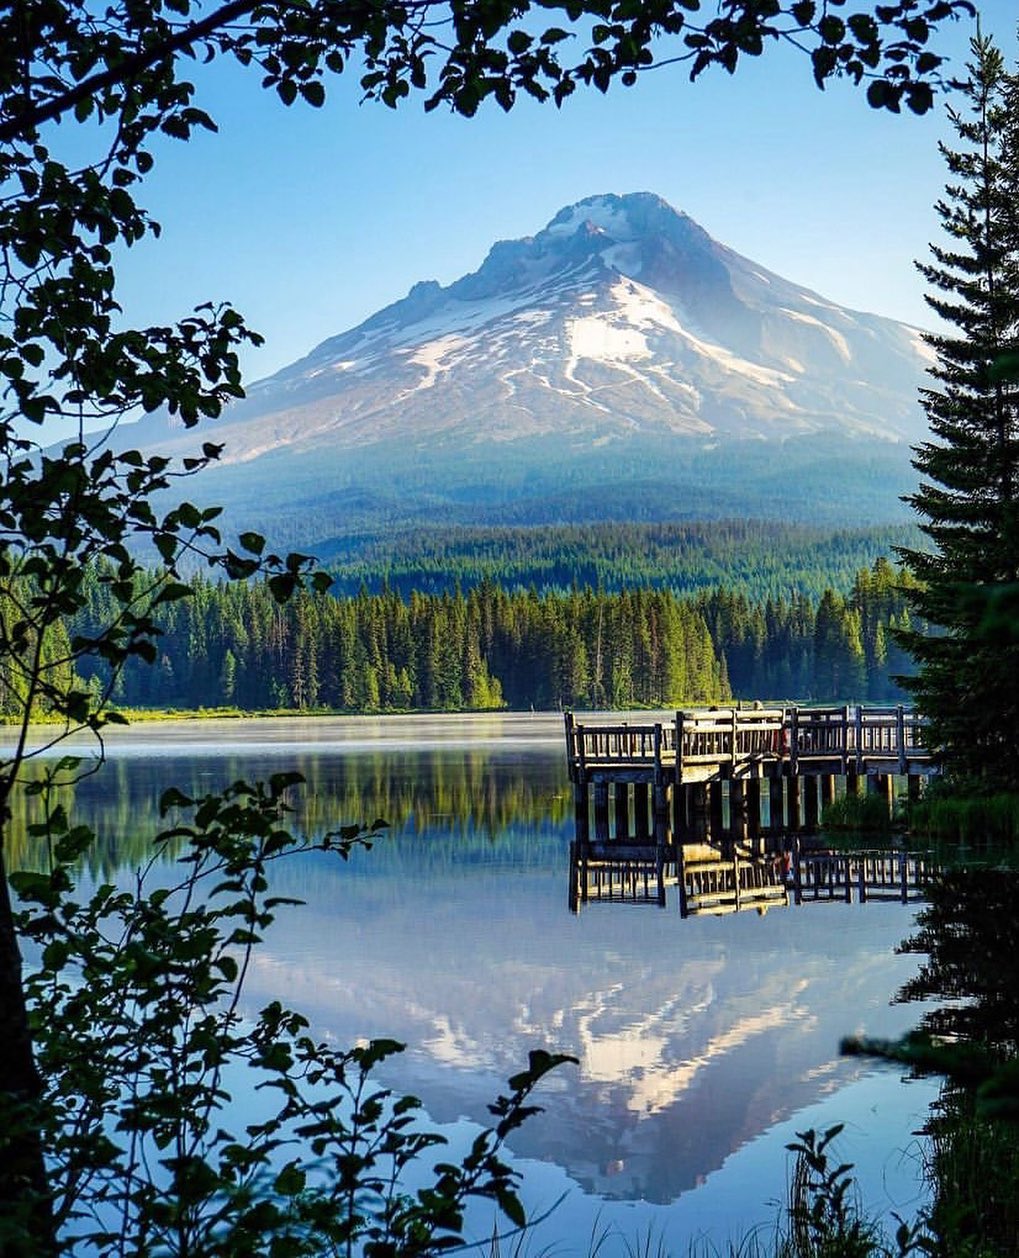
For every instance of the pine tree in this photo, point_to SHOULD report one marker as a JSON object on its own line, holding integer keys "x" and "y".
{"x": 967, "y": 499}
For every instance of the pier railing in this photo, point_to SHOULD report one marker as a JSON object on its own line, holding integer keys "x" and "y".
{"x": 705, "y": 743}
{"x": 728, "y": 736}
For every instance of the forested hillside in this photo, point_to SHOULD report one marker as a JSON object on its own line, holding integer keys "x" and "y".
{"x": 488, "y": 647}
{"x": 762, "y": 559}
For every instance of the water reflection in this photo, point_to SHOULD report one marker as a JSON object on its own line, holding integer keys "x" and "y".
{"x": 699, "y": 1041}
{"x": 729, "y": 878}
{"x": 968, "y": 934}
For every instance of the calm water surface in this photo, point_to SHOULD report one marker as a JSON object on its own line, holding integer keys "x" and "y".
{"x": 704, "y": 1044}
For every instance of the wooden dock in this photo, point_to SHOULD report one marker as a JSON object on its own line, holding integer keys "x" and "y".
{"x": 737, "y": 770}
{"x": 721, "y": 804}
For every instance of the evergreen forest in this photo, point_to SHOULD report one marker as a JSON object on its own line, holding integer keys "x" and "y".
{"x": 760, "y": 558}
{"x": 236, "y": 645}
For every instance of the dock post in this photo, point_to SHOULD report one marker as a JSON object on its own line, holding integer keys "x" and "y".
{"x": 660, "y": 809}
{"x": 682, "y": 815}
{"x": 684, "y": 908}
{"x": 641, "y": 829}
{"x": 581, "y": 815}
{"x": 738, "y": 809}
{"x": 699, "y": 809}
{"x": 601, "y": 811}
{"x": 621, "y": 790}
{"x": 752, "y": 798}
{"x": 797, "y": 873}
{"x": 776, "y": 804}
{"x": 827, "y": 792}
{"x": 793, "y": 799}
{"x": 852, "y": 780}
{"x": 887, "y": 785}
{"x": 810, "y": 809}
{"x": 794, "y": 741}
{"x": 716, "y": 825}
{"x": 845, "y": 741}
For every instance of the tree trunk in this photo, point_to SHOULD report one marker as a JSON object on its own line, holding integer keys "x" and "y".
{"x": 26, "y": 1217}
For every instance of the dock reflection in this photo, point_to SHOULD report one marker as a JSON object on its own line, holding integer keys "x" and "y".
{"x": 705, "y": 878}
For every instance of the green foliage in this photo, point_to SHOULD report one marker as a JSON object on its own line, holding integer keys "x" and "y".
{"x": 824, "y": 1214}
{"x": 838, "y": 649}
{"x": 493, "y": 648}
{"x": 485, "y": 650}
{"x": 968, "y": 932}
{"x": 968, "y": 676}
{"x": 143, "y": 1042}
{"x": 858, "y": 812}
{"x": 954, "y": 817}
{"x": 824, "y": 1218}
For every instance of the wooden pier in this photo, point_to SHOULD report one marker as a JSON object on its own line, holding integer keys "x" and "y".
{"x": 711, "y": 801}
{"x": 772, "y": 768}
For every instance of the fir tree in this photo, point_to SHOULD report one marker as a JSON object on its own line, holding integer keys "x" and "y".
{"x": 967, "y": 498}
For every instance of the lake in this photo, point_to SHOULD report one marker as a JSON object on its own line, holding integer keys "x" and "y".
{"x": 704, "y": 1043}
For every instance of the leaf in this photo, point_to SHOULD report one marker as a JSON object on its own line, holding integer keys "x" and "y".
{"x": 314, "y": 93}
{"x": 290, "y": 1181}
{"x": 252, "y": 542}
{"x": 173, "y": 798}
{"x": 227, "y": 966}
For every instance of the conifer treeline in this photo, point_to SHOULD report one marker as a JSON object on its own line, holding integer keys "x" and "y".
{"x": 234, "y": 645}
{"x": 839, "y": 648}
{"x": 487, "y": 649}
{"x": 760, "y": 558}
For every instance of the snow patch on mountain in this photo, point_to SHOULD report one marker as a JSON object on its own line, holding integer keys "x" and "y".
{"x": 643, "y": 307}
{"x": 841, "y": 344}
{"x": 597, "y": 338}
{"x": 731, "y": 362}
{"x": 435, "y": 357}
{"x": 606, "y": 214}
{"x": 621, "y": 317}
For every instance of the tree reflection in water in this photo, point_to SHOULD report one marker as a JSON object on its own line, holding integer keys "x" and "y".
{"x": 969, "y": 933}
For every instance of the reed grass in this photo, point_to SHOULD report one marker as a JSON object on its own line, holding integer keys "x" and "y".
{"x": 859, "y": 813}
{"x": 967, "y": 819}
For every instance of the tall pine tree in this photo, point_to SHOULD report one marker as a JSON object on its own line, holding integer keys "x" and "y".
{"x": 967, "y": 498}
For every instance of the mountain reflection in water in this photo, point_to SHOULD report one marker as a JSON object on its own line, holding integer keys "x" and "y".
{"x": 697, "y": 1039}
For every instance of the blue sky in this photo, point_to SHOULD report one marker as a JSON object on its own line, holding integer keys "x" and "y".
{"x": 309, "y": 221}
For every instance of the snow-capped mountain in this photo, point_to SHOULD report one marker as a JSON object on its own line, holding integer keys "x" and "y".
{"x": 622, "y": 316}
{"x": 619, "y": 358}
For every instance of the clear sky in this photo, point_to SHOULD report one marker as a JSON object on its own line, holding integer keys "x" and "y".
{"x": 309, "y": 221}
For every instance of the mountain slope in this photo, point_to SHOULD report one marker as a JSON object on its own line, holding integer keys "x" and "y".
{"x": 621, "y": 334}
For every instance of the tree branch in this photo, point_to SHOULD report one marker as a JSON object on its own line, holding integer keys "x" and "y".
{"x": 17, "y": 128}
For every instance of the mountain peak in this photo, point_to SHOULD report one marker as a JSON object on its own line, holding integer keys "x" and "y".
{"x": 620, "y": 217}
{"x": 620, "y": 318}
{"x": 613, "y": 348}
